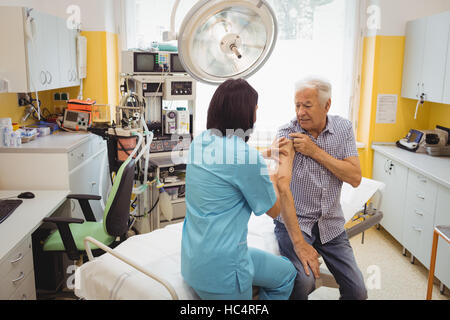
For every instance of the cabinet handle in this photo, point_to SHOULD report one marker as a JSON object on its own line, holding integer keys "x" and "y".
{"x": 49, "y": 80}
{"x": 418, "y": 212}
{"x": 19, "y": 257}
{"x": 417, "y": 229}
{"x": 21, "y": 276}
{"x": 69, "y": 75}
{"x": 420, "y": 196}
{"x": 43, "y": 78}
{"x": 75, "y": 75}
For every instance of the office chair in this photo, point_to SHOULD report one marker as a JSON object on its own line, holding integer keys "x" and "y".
{"x": 71, "y": 232}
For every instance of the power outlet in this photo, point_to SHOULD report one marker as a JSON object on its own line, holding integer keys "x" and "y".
{"x": 23, "y": 99}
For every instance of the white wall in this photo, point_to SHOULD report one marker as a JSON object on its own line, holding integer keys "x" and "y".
{"x": 396, "y": 13}
{"x": 95, "y": 15}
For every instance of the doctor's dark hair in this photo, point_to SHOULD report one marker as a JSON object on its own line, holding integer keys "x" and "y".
{"x": 232, "y": 108}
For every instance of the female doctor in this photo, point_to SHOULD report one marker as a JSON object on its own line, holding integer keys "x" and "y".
{"x": 227, "y": 180}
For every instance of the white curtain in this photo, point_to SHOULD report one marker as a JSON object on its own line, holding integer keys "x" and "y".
{"x": 316, "y": 37}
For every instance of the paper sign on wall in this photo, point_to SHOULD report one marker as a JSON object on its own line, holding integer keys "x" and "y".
{"x": 387, "y": 108}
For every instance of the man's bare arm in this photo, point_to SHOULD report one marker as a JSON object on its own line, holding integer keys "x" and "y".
{"x": 305, "y": 252}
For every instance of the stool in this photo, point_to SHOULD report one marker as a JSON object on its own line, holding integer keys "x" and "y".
{"x": 439, "y": 231}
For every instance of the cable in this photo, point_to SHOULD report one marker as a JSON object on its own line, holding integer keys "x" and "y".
{"x": 421, "y": 101}
{"x": 150, "y": 211}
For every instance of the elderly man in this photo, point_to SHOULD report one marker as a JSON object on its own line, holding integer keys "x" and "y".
{"x": 325, "y": 156}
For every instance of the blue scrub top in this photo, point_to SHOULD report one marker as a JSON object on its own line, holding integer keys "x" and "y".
{"x": 226, "y": 180}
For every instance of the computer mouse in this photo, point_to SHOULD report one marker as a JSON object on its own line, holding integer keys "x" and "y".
{"x": 26, "y": 195}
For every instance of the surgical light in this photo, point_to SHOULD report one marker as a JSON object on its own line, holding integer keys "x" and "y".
{"x": 221, "y": 39}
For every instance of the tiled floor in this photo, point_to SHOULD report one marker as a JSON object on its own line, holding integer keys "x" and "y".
{"x": 388, "y": 274}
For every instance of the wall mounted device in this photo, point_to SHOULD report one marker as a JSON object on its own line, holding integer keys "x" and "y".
{"x": 82, "y": 56}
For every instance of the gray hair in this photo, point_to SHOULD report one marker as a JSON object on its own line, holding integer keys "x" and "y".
{"x": 322, "y": 86}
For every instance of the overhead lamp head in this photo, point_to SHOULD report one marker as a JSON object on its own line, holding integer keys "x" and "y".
{"x": 221, "y": 39}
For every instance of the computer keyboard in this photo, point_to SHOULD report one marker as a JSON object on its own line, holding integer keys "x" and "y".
{"x": 7, "y": 207}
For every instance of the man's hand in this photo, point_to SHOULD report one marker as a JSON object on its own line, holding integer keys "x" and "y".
{"x": 303, "y": 144}
{"x": 309, "y": 258}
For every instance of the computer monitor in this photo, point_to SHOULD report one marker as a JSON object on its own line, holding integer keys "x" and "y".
{"x": 145, "y": 62}
{"x": 175, "y": 64}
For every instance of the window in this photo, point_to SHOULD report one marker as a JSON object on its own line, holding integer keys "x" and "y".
{"x": 315, "y": 37}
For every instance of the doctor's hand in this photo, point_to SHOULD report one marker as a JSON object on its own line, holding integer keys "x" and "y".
{"x": 304, "y": 144}
{"x": 309, "y": 258}
{"x": 278, "y": 147}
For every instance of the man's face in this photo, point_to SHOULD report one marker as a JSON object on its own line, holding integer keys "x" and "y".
{"x": 310, "y": 114}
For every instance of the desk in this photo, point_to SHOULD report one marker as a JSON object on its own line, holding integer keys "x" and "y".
{"x": 16, "y": 256}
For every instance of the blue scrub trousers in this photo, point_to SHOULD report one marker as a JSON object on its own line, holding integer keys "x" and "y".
{"x": 275, "y": 275}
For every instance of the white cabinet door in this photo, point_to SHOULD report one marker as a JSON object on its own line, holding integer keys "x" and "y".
{"x": 35, "y": 54}
{"x": 394, "y": 175}
{"x": 446, "y": 95}
{"x": 435, "y": 56}
{"x": 65, "y": 63}
{"x": 43, "y": 52}
{"x": 413, "y": 59}
{"x": 51, "y": 51}
{"x": 67, "y": 55}
{"x": 442, "y": 217}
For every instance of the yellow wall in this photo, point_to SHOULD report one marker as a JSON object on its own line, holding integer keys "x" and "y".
{"x": 382, "y": 74}
{"x": 101, "y": 83}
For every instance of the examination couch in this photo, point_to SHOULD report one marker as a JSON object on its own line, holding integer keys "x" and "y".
{"x": 148, "y": 266}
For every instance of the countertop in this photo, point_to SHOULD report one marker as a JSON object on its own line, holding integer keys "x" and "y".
{"x": 59, "y": 142}
{"x": 435, "y": 168}
{"x": 28, "y": 216}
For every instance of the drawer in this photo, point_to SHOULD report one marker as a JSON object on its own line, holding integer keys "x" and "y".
{"x": 421, "y": 191}
{"x": 179, "y": 211}
{"x": 15, "y": 259}
{"x": 417, "y": 215}
{"x": 419, "y": 181}
{"x": 412, "y": 237}
{"x": 78, "y": 155}
{"x": 417, "y": 232}
{"x": 27, "y": 290}
{"x": 10, "y": 282}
